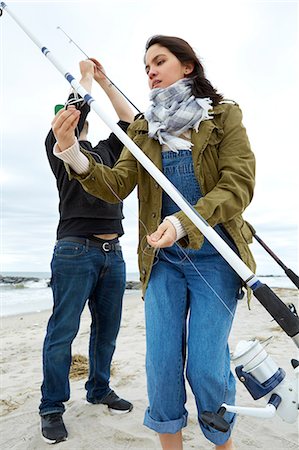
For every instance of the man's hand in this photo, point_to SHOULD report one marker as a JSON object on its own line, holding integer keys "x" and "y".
{"x": 64, "y": 125}
{"x": 99, "y": 72}
{"x": 164, "y": 236}
{"x": 87, "y": 68}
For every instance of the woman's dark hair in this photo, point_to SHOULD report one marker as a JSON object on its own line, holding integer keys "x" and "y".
{"x": 185, "y": 54}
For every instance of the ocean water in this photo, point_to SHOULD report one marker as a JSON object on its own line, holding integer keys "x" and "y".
{"x": 33, "y": 296}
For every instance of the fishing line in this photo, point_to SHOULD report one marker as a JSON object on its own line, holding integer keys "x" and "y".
{"x": 200, "y": 275}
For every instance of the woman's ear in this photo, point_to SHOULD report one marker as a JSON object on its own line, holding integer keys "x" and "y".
{"x": 188, "y": 68}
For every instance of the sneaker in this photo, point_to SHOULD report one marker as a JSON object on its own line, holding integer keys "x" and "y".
{"x": 53, "y": 428}
{"x": 116, "y": 405}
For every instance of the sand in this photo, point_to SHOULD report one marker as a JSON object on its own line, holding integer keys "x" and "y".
{"x": 92, "y": 426}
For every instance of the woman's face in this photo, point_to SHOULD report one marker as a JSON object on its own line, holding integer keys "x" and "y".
{"x": 163, "y": 68}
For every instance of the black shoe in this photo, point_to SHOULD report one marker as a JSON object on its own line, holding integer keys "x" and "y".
{"x": 53, "y": 428}
{"x": 115, "y": 404}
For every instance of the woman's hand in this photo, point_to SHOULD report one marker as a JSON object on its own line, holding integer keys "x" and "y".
{"x": 64, "y": 125}
{"x": 164, "y": 236}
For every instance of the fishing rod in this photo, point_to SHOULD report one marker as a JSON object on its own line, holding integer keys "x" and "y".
{"x": 289, "y": 273}
{"x": 256, "y": 370}
{"x": 110, "y": 81}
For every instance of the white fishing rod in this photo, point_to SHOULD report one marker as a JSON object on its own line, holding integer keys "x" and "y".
{"x": 272, "y": 303}
{"x": 255, "y": 369}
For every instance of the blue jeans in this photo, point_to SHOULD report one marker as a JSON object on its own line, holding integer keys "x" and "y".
{"x": 189, "y": 308}
{"x": 80, "y": 273}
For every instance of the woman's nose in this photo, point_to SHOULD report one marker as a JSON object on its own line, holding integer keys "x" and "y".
{"x": 152, "y": 73}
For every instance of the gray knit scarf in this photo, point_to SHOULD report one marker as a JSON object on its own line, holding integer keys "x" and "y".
{"x": 173, "y": 111}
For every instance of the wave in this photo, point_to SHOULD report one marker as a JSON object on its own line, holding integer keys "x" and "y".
{"x": 24, "y": 282}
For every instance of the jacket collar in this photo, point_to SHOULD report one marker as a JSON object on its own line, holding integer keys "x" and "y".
{"x": 141, "y": 124}
{"x": 200, "y": 140}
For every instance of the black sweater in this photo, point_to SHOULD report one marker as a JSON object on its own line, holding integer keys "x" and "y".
{"x": 81, "y": 214}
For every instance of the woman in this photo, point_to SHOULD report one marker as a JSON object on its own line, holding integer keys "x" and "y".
{"x": 201, "y": 145}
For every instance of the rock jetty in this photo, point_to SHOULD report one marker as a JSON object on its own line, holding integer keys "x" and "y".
{"x": 13, "y": 280}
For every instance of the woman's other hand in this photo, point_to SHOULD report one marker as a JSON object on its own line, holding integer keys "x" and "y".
{"x": 164, "y": 236}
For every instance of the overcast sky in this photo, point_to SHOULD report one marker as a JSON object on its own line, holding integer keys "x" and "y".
{"x": 249, "y": 50}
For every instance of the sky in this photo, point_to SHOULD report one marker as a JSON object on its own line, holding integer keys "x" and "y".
{"x": 249, "y": 50}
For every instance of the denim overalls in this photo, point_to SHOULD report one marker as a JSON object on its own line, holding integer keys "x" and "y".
{"x": 189, "y": 308}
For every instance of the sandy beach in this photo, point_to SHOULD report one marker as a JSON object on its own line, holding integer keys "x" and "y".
{"x": 92, "y": 426}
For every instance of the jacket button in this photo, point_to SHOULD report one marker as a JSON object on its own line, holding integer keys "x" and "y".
{"x": 93, "y": 178}
{"x": 154, "y": 215}
{"x": 156, "y": 186}
{"x": 143, "y": 271}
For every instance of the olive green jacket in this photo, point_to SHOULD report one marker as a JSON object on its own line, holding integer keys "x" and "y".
{"x": 223, "y": 164}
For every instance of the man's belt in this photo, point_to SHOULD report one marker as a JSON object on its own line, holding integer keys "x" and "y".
{"x": 106, "y": 246}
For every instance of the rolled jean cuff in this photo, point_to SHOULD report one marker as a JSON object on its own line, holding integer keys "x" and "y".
{"x": 169, "y": 426}
{"x": 46, "y": 411}
{"x": 215, "y": 436}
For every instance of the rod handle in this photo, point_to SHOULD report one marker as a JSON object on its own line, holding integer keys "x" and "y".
{"x": 292, "y": 276}
{"x": 277, "y": 309}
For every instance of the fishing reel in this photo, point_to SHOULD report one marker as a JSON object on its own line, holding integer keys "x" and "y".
{"x": 263, "y": 379}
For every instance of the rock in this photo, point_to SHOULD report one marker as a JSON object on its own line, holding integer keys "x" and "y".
{"x": 16, "y": 280}
{"x": 133, "y": 285}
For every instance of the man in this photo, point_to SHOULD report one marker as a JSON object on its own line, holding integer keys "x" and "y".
{"x": 87, "y": 264}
